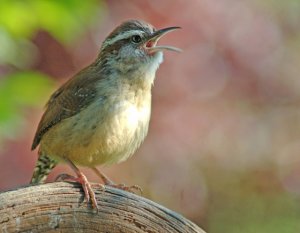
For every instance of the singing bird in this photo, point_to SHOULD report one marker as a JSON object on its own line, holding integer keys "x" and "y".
{"x": 101, "y": 115}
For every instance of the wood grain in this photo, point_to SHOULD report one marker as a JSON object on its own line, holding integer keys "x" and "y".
{"x": 59, "y": 207}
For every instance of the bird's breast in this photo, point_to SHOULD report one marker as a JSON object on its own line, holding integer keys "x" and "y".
{"x": 108, "y": 131}
{"x": 121, "y": 133}
{"x": 129, "y": 116}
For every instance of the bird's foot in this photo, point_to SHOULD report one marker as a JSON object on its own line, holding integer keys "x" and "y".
{"x": 131, "y": 189}
{"x": 81, "y": 178}
{"x": 108, "y": 182}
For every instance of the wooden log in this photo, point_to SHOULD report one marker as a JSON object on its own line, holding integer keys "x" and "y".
{"x": 59, "y": 207}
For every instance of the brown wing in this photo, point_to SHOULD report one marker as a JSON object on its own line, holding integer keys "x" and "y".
{"x": 67, "y": 101}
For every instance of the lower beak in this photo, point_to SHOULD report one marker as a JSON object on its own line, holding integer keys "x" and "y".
{"x": 150, "y": 44}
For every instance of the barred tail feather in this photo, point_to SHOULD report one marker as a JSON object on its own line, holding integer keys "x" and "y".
{"x": 43, "y": 167}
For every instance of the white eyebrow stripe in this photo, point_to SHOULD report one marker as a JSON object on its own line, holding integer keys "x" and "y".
{"x": 122, "y": 36}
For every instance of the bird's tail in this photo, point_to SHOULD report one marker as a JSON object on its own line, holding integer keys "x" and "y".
{"x": 43, "y": 167}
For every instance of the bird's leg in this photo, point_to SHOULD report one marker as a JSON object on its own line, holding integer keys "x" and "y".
{"x": 110, "y": 183}
{"x": 81, "y": 178}
{"x": 104, "y": 178}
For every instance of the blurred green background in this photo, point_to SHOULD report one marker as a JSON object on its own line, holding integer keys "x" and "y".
{"x": 224, "y": 141}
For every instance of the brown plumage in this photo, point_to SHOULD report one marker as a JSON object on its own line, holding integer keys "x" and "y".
{"x": 67, "y": 101}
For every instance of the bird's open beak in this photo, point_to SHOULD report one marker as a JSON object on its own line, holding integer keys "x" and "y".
{"x": 150, "y": 44}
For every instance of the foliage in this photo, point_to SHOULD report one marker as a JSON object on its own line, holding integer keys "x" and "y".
{"x": 19, "y": 22}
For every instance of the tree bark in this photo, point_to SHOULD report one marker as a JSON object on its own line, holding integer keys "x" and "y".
{"x": 59, "y": 207}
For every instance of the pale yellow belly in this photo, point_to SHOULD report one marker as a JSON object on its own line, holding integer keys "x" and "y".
{"x": 91, "y": 138}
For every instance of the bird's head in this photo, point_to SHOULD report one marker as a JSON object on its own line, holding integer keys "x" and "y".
{"x": 133, "y": 46}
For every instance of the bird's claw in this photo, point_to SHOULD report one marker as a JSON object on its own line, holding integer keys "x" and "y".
{"x": 131, "y": 189}
{"x": 88, "y": 191}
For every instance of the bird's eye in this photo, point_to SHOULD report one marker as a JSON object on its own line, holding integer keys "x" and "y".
{"x": 136, "y": 39}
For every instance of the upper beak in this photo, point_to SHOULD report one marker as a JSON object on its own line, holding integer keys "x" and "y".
{"x": 150, "y": 44}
